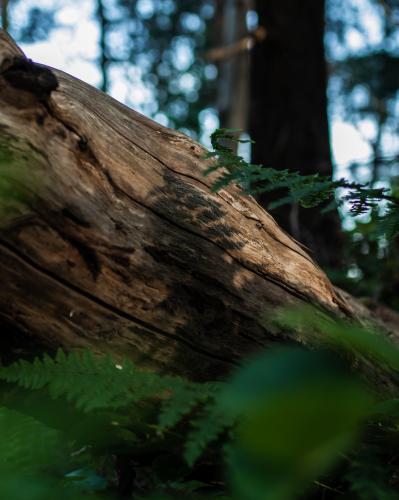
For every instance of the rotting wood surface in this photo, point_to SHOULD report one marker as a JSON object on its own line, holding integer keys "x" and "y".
{"x": 123, "y": 246}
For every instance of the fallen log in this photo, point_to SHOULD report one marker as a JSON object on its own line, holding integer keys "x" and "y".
{"x": 123, "y": 246}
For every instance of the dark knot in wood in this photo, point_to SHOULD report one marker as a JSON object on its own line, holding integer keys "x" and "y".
{"x": 24, "y": 74}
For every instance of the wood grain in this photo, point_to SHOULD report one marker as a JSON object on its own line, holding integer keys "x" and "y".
{"x": 122, "y": 246}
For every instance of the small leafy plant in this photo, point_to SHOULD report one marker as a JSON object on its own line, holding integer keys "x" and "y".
{"x": 307, "y": 190}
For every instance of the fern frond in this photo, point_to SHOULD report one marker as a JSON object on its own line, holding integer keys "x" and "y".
{"x": 206, "y": 428}
{"x": 184, "y": 398}
{"x": 92, "y": 383}
{"x": 180, "y": 404}
{"x": 89, "y": 382}
{"x": 307, "y": 190}
{"x": 389, "y": 223}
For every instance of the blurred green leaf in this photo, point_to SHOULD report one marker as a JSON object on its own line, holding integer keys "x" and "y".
{"x": 300, "y": 410}
{"x": 351, "y": 337}
{"x": 27, "y": 445}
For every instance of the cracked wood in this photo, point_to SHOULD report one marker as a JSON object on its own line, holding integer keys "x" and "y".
{"x": 122, "y": 246}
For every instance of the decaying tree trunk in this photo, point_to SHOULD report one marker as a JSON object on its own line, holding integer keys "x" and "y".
{"x": 124, "y": 247}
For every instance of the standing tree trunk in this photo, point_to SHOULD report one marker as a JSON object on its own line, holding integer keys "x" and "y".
{"x": 233, "y": 78}
{"x": 103, "y": 59}
{"x": 5, "y": 20}
{"x": 288, "y": 119}
{"x": 117, "y": 241}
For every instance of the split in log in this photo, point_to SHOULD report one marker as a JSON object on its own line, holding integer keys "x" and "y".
{"x": 123, "y": 246}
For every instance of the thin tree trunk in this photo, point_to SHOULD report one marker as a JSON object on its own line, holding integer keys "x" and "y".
{"x": 288, "y": 119}
{"x": 233, "y": 80}
{"x": 5, "y": 20}
{"x": 103, "y": 62}
{"x": 120, "y": 244}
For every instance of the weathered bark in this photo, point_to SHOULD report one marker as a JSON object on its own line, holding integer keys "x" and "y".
{"x": 125, "y": 248}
